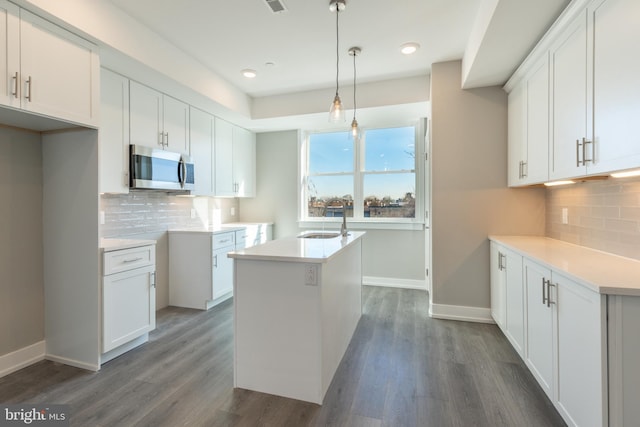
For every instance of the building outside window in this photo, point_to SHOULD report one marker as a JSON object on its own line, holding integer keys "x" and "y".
{"x": 377, "y": 179}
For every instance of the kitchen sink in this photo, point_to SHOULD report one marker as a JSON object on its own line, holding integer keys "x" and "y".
{"x": 319, "y": 235}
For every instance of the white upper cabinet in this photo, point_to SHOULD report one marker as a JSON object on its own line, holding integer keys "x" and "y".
{"x": 235, "y": 160}
{"x": 616, "y": 85}
{"x": 528, "y": 127}
{"x": 10, "y": 59}
{"x": 47, "y": 70}
{"x": 244, "y": 162}
{"x": 223, "y": 159}
{"x": 114, "y": 133}
{"x": 176, "y": 124}
{"x": 158, "y": 120}
{"x": 202, "y": 144}
{"x": 569, "y": 103}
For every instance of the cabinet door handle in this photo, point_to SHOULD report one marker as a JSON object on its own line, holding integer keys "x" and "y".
{"x": 215, "y": 261}
{"x": 499, "y": 261}
{"x": 29, "y": 89}
{"x": 585, "y": 141}
{"x": 161, "y": 138}
{"x": 131, "y": 260}
{"x": 166, "y": 141}
{"x": 153, "y": 279}
{"x": 525, "y": 169}
{"x": 578, "y": 152}
{"x": 549, "y": 285}
{"x": 504, "y": 261}
{"x": 15, "y": 85}
{"x": 544, "y": 291}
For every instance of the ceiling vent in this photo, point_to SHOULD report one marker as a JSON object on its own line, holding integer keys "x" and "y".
{"x": 276, "y": 6}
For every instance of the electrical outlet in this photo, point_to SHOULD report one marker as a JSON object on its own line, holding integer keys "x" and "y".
{"x": 310, "y": 275}
{"x": 565, "y": 215}
{"x": 233, "y": 211}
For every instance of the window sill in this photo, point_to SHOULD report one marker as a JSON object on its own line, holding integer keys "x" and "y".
{"x": 334, "y": 223}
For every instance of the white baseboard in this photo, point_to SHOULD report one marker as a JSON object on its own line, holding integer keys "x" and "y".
{"x": 460, "y": 312}
{"x": 22, "y": 358}
{"x": 390, "y": 282}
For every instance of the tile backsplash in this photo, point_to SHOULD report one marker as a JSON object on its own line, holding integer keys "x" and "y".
{"x": 603, "y": 214}
{"x": 143, "y": 212}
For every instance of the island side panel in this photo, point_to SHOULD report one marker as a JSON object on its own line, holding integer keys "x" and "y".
{"x": 341, "y": 294}
{"x": 277, "y": 330}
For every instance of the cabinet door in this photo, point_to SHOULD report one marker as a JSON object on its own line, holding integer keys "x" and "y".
{"x": 222, "y": 272}
{"x": 129, "y": 306}
{"x": 569, "y": 100}
{"x": 616, "y": 86}
{"x": 9, "y": 54}
{"x": 517, "y": 127}
{"x": 498, "y": 285}
{"x": 176, "y": 125}
{"x": 514, "y": 300}
{"x": 145, "y": 118}
{"x": 536, "y": 168}
{"x": 59, "y": 72}
{"x": 582, "y": 346}
{"x": 201, "y": 133}
{"x": 244, "y": 162}
{"x": 539, "y": 347}
{"x": 224, "y": 158}
{"x": 114, "y": 133}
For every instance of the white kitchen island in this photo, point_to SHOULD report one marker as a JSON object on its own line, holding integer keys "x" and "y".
{"x": 297, "y": 302}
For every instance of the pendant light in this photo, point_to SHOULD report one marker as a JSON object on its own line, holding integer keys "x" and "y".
{"x": 355, "y": 130}
{"x": 336, "y": 113}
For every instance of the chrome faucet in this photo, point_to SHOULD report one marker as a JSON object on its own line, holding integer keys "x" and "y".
{"x": 343, "y": 227}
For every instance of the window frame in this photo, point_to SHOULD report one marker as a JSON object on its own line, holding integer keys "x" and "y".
{"x": 359, "y": 220}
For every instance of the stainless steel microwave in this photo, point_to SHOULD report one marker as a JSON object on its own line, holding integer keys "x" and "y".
{"x": 155, "y": 169}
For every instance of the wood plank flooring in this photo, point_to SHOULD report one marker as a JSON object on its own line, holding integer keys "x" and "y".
{"x": 401, "y": 369}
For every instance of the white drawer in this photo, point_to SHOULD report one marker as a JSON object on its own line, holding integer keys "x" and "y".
{"x": 222, "y": 240}
{"x": 128, "y": 259}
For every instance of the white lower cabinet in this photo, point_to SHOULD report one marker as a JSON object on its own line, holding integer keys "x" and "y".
{"x": 507, "y": 298}
{"x": 128, "y": 296}
{"x": 539, "y": 344}
{"x": 200, "y": 274}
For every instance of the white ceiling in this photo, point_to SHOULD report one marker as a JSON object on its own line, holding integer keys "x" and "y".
{"x": 228, "y": 36}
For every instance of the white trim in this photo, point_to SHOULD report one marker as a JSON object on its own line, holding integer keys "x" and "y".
{"x": 19, "y": 359}
{"x": 334, "y": 223}
{"x": 460, "y": 312}
{"x": 71, "y": 362}
{"x": 390, "y": 282}
{"x": 112, "y": 354}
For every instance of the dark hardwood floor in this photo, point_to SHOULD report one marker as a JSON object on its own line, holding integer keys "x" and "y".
{"x": 401, "y": 369}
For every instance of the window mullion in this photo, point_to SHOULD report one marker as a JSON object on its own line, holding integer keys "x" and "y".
{"x": 358, "y": 202}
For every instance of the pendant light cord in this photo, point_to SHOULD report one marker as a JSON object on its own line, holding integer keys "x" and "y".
{"x": 337, "y": 47}
{"x": 354, "y": 83}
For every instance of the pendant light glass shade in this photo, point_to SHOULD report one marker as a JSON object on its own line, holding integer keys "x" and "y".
{"x": 336, "y": 112}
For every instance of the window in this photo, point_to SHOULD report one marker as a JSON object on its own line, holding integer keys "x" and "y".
{"x": 374, "y": 180}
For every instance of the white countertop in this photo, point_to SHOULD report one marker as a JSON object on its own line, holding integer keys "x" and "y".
{"x": 599, "y": 271}
{"x": 224, "y": 228}
{"x": 296, "y": 249}
{"x": 108, "y": 245}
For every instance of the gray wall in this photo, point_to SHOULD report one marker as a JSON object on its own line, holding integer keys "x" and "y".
{"x": 470, "y": 198}
{"x": 21, "y": 256}
{"x": 392, "y": 254}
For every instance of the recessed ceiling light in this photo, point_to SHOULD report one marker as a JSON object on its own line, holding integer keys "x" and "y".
{"x": 248, "y": 73}
{"x": 409, "y": 48}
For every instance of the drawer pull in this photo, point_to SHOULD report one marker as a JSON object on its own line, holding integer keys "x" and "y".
{"x": 126, "y": 261}
{"x": 16, "y": 83}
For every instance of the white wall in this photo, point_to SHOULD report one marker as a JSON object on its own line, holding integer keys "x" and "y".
{"x": 21, "y": 275}
{"x": 470, "y": 198}
{"x": 390, "y": 256}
